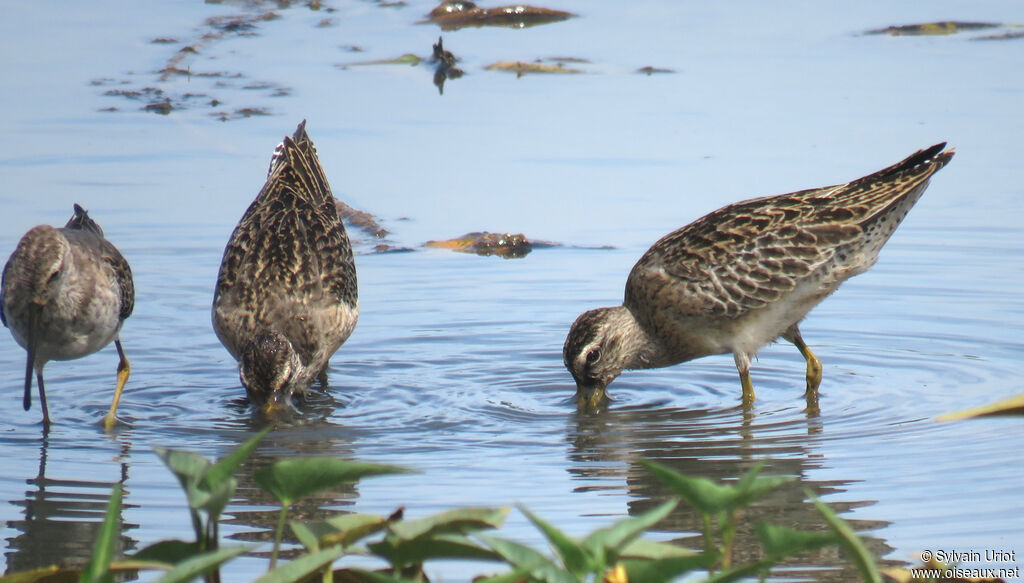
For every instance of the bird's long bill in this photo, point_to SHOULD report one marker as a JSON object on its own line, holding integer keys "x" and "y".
{"x": 31, "y": 350}
{"x": 27, "y": 399}
{"x": 590, "y": 397}
{"x": 279, "y": 403}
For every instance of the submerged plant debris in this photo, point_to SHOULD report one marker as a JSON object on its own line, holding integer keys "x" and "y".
{"x": 456, "y": 14}
{"x": 934, "y": 28}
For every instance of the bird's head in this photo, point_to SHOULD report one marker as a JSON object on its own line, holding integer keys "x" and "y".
{"x": 269, "y": 368}
{"x": 594, "y": 354}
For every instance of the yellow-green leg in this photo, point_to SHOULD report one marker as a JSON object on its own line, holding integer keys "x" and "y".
{"x": 123, "y": 372}
{"x": 813, "y": 364}
{"x": 743, "y": 366}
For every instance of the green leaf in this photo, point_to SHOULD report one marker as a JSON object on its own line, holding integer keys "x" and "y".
{"x": 187, "y": 466}
{"x": 1010, "y": 406}
{"x": 750, "y": 487}
{"x": 782, "y": 541}
{"x": 98, "y": 568}
{"x": 167, "y": 551}
{"x": 199, "y": 565}
{"x": 403, "y": 553}
{"x": 220, "y": 473}
{"x": 344, "y": 529}
{"x": 361, "y": 576}
{"x": 737, "y": 573}
{"x": 53, "y": 573}
{"x": 302, "y": 567}
{"x": 460, "y": 520}
{"x": 290, "y": 480}
{"x": 305, "y": 535}
{"x": 701, "y": 493}
{"x": 850, "y": 541}
{"x": 406, "y": 59}
{"x": 666, "y": 569}
{"x": 573, "y": 556}
{"x": 609, "y": 542}
{"x": 642, "y": 548}
{"x": 526, "y": 560}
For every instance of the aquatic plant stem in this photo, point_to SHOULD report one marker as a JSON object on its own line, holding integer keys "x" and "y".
{"x": 727, "y": 524}
{"x": 709, "y": 539}
{"x": 278, "y": 534}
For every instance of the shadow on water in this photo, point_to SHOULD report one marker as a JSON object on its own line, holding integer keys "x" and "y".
{"x": 606, "y": 450}
{"x": 61, "y": 518}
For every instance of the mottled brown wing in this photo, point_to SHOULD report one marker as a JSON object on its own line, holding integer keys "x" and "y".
{"x": 123, "y": 274}
{"x": 3, "y": 286}
{"x": 747, "y": 255}
{"x": 737, "y": 259}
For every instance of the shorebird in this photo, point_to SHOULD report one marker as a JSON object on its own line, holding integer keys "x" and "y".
{"x": 286, "y": 296}
{"x": 743, "y": 276}
{"x": 65, "y": 294}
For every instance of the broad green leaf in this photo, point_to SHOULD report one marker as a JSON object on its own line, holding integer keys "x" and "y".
{"x": 750, "y": 487}
{"x": 344, "y": 529}
{"x": 199, "y": 565}
{"x": 302, "y": 567}
{"x": 98, "y": 568}
{"x": 782, "y": 541}
{"x": 441, "y": 546}
{"x": 850, "y": 541}
{"x": 642, "y": 548}
{"x": 185, "y": 465}
{"x": 759, "y": 488}
{"x": 610, "y": 541}
{"x": 1011, "y": 406}
{"x": 460, "y": 520}
{"x": 167, "y": 551}
{"x": 292, "y": 479}
{"x": 225, "y": 467}
{"x": 305, "y": 535}
{"x": 701, "y": 493}
{"x": 526, "y": 560}
{"x": 666, "y": 569}
{"x": 737, "y": 573}
{"x": 215, "y": 499}
{"x": 573, "y": 556}
{"x": 361, "y": 576}
{"x": 517, "y": 576}
{"x": 52, "y": 573}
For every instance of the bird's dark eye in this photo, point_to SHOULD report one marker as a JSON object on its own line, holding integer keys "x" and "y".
{"x": 593, "y": 356}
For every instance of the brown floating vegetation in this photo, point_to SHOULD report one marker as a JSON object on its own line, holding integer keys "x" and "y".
{"x": 507, "y": 245}
{"x": 362, "y": 219}
{"x": 539, "y": 66}
{"x": 1005, "y": 36}
{"x": 180, "y": 64}
{"x": 442, "y": 59}
{"x": 652, "y": 70}
{"x": 456, "y": 14}
{"x": 933, "y": 28}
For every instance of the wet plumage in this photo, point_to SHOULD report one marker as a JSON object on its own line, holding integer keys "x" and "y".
{"x": 745, "y": 275}
{"x": 65, "y": 294}
{"x": 286, "y": 296}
